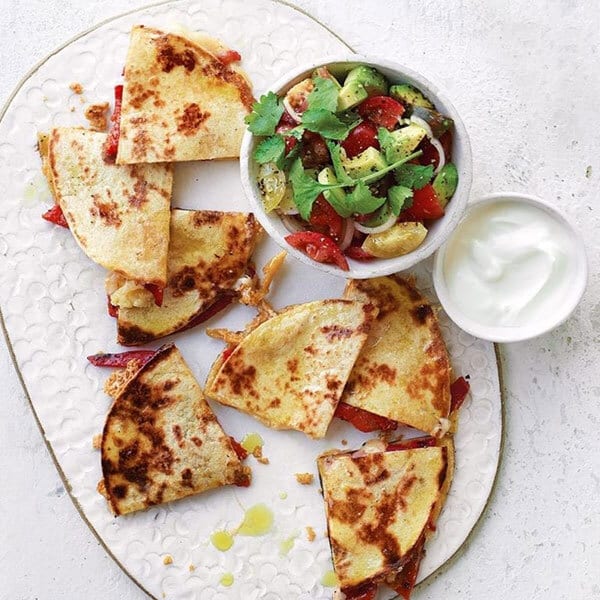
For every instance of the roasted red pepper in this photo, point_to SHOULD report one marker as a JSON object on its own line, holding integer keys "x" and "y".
{"x": 319, "y": 247}
{"x": 217, "y": 306}
{"x": 363, "y": 420}
{"x": 55, "y": 215}
{"x": 425, "y": 441}
{"x": 238, "y": 448}
{"x": 227, "y": 353}
{"x": 458, "y": 392}
{"x": 113, "y": 310}
{"x": 157, "y": 292}
{"x": 120, "y": 359}
{"x": 406, "y": 579}
{"x": 367, "y": 591}
{"x": 229, "y": 56}
{"x": 112, "y": 139}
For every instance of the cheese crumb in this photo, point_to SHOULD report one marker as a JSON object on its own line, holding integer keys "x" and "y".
{"x": 304, "y": 478}
{"x": 168, "y": 560}
{"x": 77, "y": 88}
{"x": 191, "y": 568}
{"x": 310, "y": 534}
{"x": 101, "y": 488}
{"x": 97, "y": 441}
{"x": 116, "y": 382}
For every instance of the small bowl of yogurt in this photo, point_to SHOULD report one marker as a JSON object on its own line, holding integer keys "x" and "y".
{"x": 513, "y": 269}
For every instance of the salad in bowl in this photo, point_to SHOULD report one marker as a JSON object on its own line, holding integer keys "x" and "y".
{"x": 352, "y": 164}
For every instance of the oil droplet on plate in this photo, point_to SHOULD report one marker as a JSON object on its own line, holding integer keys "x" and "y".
{"x": 258, "y": 520}
{"x": 286, "y": 545}
{"x": 222, "y": 540}
{"x": 283, "y": 495}
{"x": 329, "y": 579}
{"x": 226, "y": 579}
{"x": 251, "y": 442}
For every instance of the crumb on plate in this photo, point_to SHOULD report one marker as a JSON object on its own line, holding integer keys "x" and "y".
{"x": 77, "y": 88}
{"x": 168, "y": 560}
{"x": 117, "y": 380}
{"x": 310, "y": 534}
{"x": 304, "y": 478}
{"x": 96, "y": 115}
{"x": 97, "y": 441}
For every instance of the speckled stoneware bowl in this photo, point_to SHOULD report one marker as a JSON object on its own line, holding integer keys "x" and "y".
{"x": 438, "y": 231}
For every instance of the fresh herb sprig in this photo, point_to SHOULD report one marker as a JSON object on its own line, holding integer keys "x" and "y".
{"x": 361, "y": 201}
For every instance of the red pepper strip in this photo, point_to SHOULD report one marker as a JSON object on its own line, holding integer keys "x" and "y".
{"x": 55, "y": 215}
{"x": 217, "y": 306}
{"x": 243, "y": 480}
{"x": 230, "y": 56}
{"x": 157, "y": 292}
{"x": 239, "y": 449}
{"x": 458, "y": 392}
{"x": 120, "y": 359}
{"x": 319, "y": 247}
{"x": 425, "y": 441}
{"x": 227, "y": 353}
{"x": 407, "y": 577}
{"x": 363, "y": 420}
{"x": 365, "y": 591}
{"x": 113, "y": 310}
{"x": 112, "y": 139}
{"x": 357, "y": 253}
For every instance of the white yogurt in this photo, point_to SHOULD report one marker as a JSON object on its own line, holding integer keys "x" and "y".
{"x": 510, "y": 264}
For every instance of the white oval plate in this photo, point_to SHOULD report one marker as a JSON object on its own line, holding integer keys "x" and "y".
{"x": 54, "y": 310}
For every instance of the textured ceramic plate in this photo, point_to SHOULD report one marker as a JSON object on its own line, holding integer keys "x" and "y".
{"x": 54, "y": 310}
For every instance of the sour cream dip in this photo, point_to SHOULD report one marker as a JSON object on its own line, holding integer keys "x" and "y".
{"x": 512, "y": 269}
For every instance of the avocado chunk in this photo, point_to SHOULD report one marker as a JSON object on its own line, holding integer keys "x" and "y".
{"x": 438, "y": 122}
{"x": 380, "y": 217}
{"x": 335, "y": 197}
{"x": 366, "y": 163}
{"x": 403, "y": 142}
{"x": 409, "y": 95}
{"x": 445, "y": 183}
{"x": 350, "y": 95}
{"x": 371, "y": 79}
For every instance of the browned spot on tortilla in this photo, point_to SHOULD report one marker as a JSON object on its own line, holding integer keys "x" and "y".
{"x": 215, "y": 68}
{"x": 196, "y": 441}
{"x": 178, "y": 435}
{"x": 207, "y": 217}
{"x": 141, "y": 143}
{"x": 186, "y": 478}
{"x": 333, "y": 383}
{"x": 336, "y": 332}
{"x": 107, "y": 211}
{"x": 120, "y": 491}
{"x": 140, "y": 193}
{"x": 192, "y": 118}
{"x": 169, "y": 58}
{"x": 310, "y": 350}
{"x": 138, "y": 94}
{"x": 275, "y": 403}
{"x": 351, "y": 509}
{"x": 421, "y": 313}
{"x": 292, "y": 365}
{"x": 183, "y": 281}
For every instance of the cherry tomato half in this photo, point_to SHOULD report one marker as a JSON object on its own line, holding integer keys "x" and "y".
{"x": 319, "y": 247}
{"x": 357, "y": 253}
{"x": 55, "y": 215}
{"x": 458, "y": 392}
{"x": 426, "y": 205}
{"x": 323, "y": 216}
{"x": 382, "y": 111}
{"x": 363, "y": 136}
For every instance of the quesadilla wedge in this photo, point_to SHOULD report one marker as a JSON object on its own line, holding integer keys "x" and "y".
{"x": 208, "y": 252}
{"x": 290, "y": 371}
{"x": 382, "y": 503}
{"x": 180, "y": 100}
{"x": 403, "y": 371}
{"x": 119, "y": 215}
{"x": 161, "y": 441}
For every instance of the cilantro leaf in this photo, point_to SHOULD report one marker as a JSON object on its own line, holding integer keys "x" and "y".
{"x": 306, "y": 189}
{"x": 336, "y": 159}
{"x": 361, "y": 200}
{"x": 265, "y": 115}
{"x": 324, "y": 95}
{"x": 386, "y": 142}
{"x": 413, "y": 176}
{"x": 271, "y": 149}
{"x": 400, "y": 197}
{"x": 326, "y": 123}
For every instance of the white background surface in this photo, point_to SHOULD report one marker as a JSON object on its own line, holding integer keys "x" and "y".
{"x": 525, "y": 79}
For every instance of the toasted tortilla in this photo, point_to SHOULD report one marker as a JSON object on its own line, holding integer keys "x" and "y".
{"x": 161, "y": 441}
{"x": 379, "y": 506}
{"x": 208, "y": 253}
{"x": 119, "y": 215}
{"x": 180, "y": 101}
{"x": 290, "y": 371}
{"x": 403, "y": 372}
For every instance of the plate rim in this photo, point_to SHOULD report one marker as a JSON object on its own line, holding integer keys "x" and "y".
{"x": 67, "y": 485}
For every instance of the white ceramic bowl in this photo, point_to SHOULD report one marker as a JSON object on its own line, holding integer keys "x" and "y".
{"x": 438, "y": 232}
{"x": 543, "y": 320}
